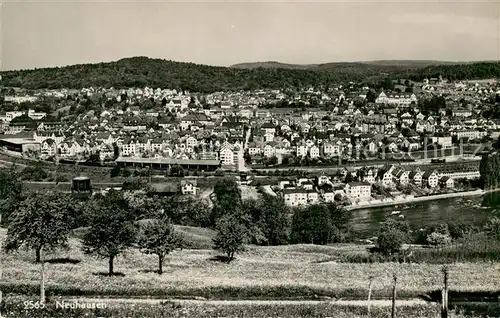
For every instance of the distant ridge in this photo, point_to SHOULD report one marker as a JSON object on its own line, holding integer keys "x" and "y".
{"x": 320, "y": 66}
{"x": 274, "y": 64}
{"x": 142, "y": 71}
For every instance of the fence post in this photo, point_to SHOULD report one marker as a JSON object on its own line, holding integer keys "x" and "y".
{"x": 42, "y": 282}
{"x": 370, "y": 295}
{"x": 444, "y": 309}
{"x": 393, "y": 312}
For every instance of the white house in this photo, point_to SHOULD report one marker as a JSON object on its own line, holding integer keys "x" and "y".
{"x": 430, "y": 178}
{"x": 396, "y": 99}
{"x": 226, "y": 154}
{"x": 358, "y": 190}
{"x": 189, "y": 187}
{"x": 314, "y": 151}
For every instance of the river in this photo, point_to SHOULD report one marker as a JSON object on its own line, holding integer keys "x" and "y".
{"x": 474, "y": 209}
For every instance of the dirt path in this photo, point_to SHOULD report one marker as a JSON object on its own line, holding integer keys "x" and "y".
{"x": 151, "y": 301}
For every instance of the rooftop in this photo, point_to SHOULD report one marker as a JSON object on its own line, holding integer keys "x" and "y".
{"x": 170, "y": 161}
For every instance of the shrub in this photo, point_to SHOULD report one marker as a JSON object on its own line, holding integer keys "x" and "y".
{"x": 61, "y": 178}
{"x": 392, "y": 236}
{"x": 438, "y": 239}
{"x": 460, "y": 230}
{"x": 115, "y": 172}
{"x": 34, "y": 173}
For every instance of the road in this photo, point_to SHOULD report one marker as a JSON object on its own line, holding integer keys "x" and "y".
{"x": 241, "y": 159}
{"x": 359, "y": 165}
{"x": 333, "y": 302}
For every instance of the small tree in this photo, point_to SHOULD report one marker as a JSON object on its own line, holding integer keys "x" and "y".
{"x": 112, "y": 227}
{"x": 226, "y": 198}
{"x": 460, "y": 229}
{"x": 231, "y": 235}
{"x": 492, "y": 228}
{"x": 115, "y": 172}
{"x": 274, "y": 219}
{"x": 42, "y": 221}
{"x": 159, "y": 237}
{"x": 11, "y": 193}
{"x": 320, "y": 224}
{"x": 392, "y": 236}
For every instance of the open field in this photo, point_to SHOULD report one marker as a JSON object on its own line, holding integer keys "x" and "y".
{"x": 286, "y": 272}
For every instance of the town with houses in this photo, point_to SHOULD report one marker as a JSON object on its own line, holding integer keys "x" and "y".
{"x": 270, "y": 129}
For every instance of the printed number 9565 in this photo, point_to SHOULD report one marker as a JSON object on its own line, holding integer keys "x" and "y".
{"x": 29, "y": 304}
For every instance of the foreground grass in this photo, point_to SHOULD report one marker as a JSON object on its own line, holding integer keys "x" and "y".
{"x": 15, "y": 307}
{"x": 295, "y": 271}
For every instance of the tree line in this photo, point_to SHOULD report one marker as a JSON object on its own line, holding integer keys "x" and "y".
{"x": 131, "y": 218}
{"x": 116, "y": 221}
{"x": 489, "y": 169}
{"x": 143, "y": 71}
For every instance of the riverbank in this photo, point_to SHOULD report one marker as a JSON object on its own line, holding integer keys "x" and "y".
{"x": 419, "y": 199}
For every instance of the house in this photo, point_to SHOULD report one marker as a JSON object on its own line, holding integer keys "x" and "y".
{"x": 430, "y": 178}
{"x": 36, "y": 115}
{"x": 269, "y": 150}
{"x": 321, "y": 180}
{"x": 268, "y": 128}
{"x": 407, "y": 118}
{"x": 461, "y": 113}
{"x": 330, "y": 149}
{"x": 415, "y": 176}
{"x": 283, "y": 183}
{"x": 301, "y": 150}
{"x": 253, "y": 149}
{"x": 459, "y": 171}
{"x": 384, "y": 175}
{"x": 468, "y": 133}
{"x": 189, "y": 187}
{"x": 442, "y": 139}
{"x": 329, "y": 191}
{"x": 306, "y": 184}
{"x": 312, "y": 197}
{"x": 447, "y": 182}
{"x": 56, "y": 136}
{"x": 367, "y": 174}
{"x": 404, "y": 99}
{"x": 106, "y": 152}
{"x": 295, "y": 197}
{"x": 314, "y": 151}
{"x": 401, "y": 176}
{"x": 191, "y": 142}
{"x": 358, "y": 190}
{"x": 410, "y": 145}
{"x": 226, "y": 154}
{"x": 48, "y": 147}
{"x": 328, "y": 194}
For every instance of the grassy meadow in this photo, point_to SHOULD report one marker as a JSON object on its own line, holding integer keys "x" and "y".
{"x": 14, "y": 307}
{"x": 294, "y": 271}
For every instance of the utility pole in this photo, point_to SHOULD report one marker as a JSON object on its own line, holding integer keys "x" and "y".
{"x": 393, "y": 311}
{"x": 369, "y": 295}
{"x": 1, "y": 272}
{"x": 444, "y": 309}
{"x": 42, "y": 283}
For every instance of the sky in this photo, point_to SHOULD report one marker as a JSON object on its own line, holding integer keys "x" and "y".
{"x": 56, "y": 33}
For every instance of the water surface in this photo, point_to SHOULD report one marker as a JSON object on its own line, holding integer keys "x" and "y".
{"x": 475, "y": 210}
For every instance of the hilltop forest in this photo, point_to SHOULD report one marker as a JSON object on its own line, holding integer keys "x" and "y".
{"x": 143, "y": 71}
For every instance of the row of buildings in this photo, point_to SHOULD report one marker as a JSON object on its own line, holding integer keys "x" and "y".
{"x": 356, "y": 185}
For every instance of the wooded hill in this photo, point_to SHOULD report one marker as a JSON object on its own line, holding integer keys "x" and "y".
{"x": 143, "y": 71}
